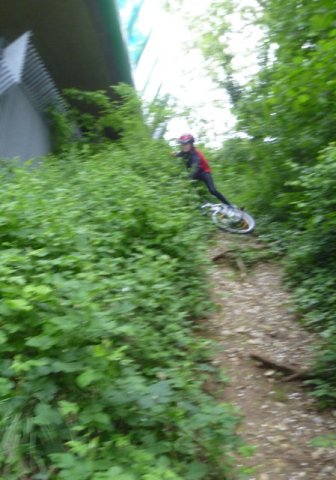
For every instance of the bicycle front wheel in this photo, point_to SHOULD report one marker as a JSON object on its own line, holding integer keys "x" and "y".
{"x": 241, "y": 222}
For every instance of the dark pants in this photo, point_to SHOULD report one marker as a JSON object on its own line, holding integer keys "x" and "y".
{"x": 207, "y": 179}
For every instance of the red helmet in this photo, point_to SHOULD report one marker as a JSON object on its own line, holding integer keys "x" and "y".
{"x": 186, "y": 138}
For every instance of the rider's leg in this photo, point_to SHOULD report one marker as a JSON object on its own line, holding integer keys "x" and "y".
{"x": 207, "y": 179}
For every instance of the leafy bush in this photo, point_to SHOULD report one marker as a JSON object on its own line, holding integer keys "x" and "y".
{"x": 311, "y": 261}
{"x": 102, "y": 278}
{"x": 285, "y": 119}
{"x": 312, "y": 254}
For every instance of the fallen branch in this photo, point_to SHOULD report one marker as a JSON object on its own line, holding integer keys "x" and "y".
{"x": 302, "y": 375}
{"x": 292, "y": 373}
{"x": 221, "y": 255}
{"x": 268, "y": 363}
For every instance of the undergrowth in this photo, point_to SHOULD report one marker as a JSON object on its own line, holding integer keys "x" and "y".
{"x": 102, "y": 279}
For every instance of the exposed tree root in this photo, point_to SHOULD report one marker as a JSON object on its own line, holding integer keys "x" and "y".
{"x": 221, "y": 255}
{"x": 290, "y": 372}
{"x": 237, "y": 263}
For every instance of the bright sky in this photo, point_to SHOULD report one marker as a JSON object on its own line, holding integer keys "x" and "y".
{"x": 182, "y": 74}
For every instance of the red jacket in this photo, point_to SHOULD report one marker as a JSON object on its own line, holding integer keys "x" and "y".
{"x": 196, "y": 161}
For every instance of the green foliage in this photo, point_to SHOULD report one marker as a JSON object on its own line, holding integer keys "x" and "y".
{"x": 327, "y": 441}
{"x": 281, "y": 164}
{"x": 102, "y": 281}
{"x": 96, "y": 117}
{"x": 286, "y": 112}
{"x": 311, "y": 262}
{"x": 215, "y": 38}
{"x": 315, "y": 212}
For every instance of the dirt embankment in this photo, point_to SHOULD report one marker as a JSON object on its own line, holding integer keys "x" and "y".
{"x": 280, "y": 419}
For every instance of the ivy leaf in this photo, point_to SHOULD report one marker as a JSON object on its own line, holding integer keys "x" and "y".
{"x": 18, "y": 304}
{"x": 196, "y": 471}
{"x": 5, "y": 386}
{"x": 68, "y": 408}
{"x": 42, "y": 342}
{"x": 3, "y": 338}
{"x": 87, "y": 378}
{"x": 46, "y": 415}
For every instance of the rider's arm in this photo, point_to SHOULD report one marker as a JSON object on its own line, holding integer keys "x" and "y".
{"x": 194, "y": 165}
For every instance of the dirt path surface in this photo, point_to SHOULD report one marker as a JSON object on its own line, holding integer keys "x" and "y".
{"x": 279, "y": 418}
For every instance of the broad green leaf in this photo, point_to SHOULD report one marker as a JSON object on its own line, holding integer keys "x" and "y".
{"x": 3, "y": 338}
{"x": 46, "y": 415}
{"x": 6, "y": 386}
{"x": 18, "y": 304}
{"x": 86, "y": 378}
{"x": 68, "y": 408}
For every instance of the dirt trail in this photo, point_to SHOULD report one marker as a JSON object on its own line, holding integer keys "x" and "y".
{"x": 279, "y": 418}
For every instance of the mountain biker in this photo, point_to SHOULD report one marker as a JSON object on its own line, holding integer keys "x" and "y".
{"x": 198, "y": 165}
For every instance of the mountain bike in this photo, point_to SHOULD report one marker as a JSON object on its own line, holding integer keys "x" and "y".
{"x": 228, "y": 218}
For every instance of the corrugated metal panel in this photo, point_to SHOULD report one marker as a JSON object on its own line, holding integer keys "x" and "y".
{"x": 6, "y": 78}
{"x": 24, "y": 133}
{"x": 26, "y": 91}
{"x": 38, "y": 83}
{"x": 33, "y": 77}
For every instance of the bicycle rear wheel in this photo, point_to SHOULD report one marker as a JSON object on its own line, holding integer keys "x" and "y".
{"x": 238, "y": 222}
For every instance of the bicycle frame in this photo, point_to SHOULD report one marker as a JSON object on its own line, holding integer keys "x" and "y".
{"x": 228, "y": 218}
{"x": 216, "y": 208}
